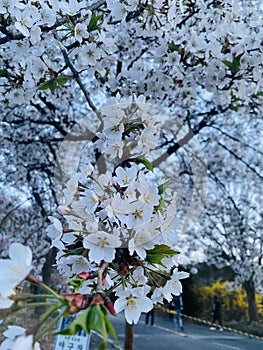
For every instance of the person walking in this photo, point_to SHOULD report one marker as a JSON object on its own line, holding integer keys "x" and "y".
{"x": 216, "y": 311}
{"x": 178, "y": 306}
{"x": 150, "y": 314}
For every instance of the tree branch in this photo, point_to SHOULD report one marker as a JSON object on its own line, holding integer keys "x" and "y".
{"x": 240, "y": 159}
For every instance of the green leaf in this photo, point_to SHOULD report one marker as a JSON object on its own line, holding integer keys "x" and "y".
{"x": 49, "y": 84}
{"x": 142, "y": 160}
{"x": 95, "y": 22}
{"x": 173, "y": 47}
{"x": 236, "y": 62}
{"x": 62, "y": 79}
{"x": 96, "y": 321}
{"x": 76, "y": 282}
{"x": 3, "y": 73}
{"x": 234, "y": 66}
{"x": 54, "y": 84}
{"x": 228, "y": 64}
{"x": 110, "y": 329}
{"x": 162, "y": 187}
{"x": 131, "y": 127}
{"x": 77, "y": 251}
{"x": 102, "y": 346}
{"x": 155, "y": 255}
{"x": 161, "y": 205}
{"x": 92, "y": 318}
{"x": 78, "y": 324}
{"x": 235, "y": 108}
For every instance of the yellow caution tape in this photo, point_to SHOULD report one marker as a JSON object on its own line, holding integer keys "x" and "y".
{"x": 159, "y": 307}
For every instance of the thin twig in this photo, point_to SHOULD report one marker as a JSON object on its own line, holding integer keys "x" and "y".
{"x": 76, "y": 76}
{"x": 101, "y": 271}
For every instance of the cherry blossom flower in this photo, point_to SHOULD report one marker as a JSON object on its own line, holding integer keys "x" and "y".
{"x": 24, "y": 21}
{"x": 72, "y": 7}
{"x": 16, "y": 339}
{"x": 126, "y": 176}
{"x": 90, "y": 200}
{"x": 141, "y": 242}
{"x": 133, "y": 302}
{"x": 5, "y": 301}
{"x": 137, "y": 213}
{"x": 174, "y": 286}
{"x": 55, "y": 231}
{"x": 101, "y": 246}
{"x": 81, "y": 31}
{"x": 15, "y": 269}
{"x": 25, "y": 342}
{"x": 7, "y": 6}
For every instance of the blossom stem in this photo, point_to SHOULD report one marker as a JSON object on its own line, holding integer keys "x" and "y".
{"x": 158, "y": 273}
{"x": 47, "y": 328}
{"x": 41, "y": 303}
{"x": 49, "y": 312}
{"x": 101, "y": 271}
{"x": 116, "y": 285}
{"x": 156, "y": 284}
{"x": 28, "y": 305}
{"x": 20, "y": 297}
{"x": 31, "y": 278}
{"x": 51, "y": 291}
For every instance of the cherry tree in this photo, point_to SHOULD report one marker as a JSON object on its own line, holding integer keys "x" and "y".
{"x": 20, "y": 221}
{"x": 60, "y": 60}
{"x": 232, "y": 231}
{"x": 233, "y": 237}
{"x": 200, "y": 59}
{"x": 118, "y": 234}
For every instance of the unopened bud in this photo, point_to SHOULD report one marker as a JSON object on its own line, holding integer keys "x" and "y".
{"x": 88, "y": 275}
{"x": 77, "y": 302}
{"x": 97, "y": 299}
{"x": 123, "y": 269}
{"x": 109, "y": 306}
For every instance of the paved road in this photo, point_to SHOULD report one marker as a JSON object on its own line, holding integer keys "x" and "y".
{"x": 163, "y": 336}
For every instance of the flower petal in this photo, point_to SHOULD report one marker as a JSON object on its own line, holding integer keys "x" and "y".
{"x": 20, "y": 254}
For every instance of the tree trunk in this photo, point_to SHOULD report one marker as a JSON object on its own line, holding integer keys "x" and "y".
{"x": 129, "y": 331}
{"x": 46, "y": 270}
{"x": 251, "y": 299}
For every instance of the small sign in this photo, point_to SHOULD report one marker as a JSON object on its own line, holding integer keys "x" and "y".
{"x": 79, "y": 341}
{"x": 72, "y": 342}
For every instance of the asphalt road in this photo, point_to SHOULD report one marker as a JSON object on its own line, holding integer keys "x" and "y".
{"x": 163, "y": 336}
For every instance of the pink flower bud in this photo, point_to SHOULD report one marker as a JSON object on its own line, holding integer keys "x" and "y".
{"x": 77, "y": 302}
{"x": 97, "y": 299}
{"x": 110, "y": 307}
{"x": 87, "y": 275}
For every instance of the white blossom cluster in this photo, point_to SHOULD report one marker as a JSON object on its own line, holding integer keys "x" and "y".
{"x": 137, "y": 46}
{"x": 120, "y": 217}
{"x": 202, "y": 59}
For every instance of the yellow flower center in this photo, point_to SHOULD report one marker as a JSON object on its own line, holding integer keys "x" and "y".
{"x": 79, "y": 31}
{"x": 132, "y": 302}
{"x": 138, "y": 214}
{"x": 103, "y": 241}
{"x": 93, "y": 199}
{"x": 80, "y": 262}
{"x": 147, "y": 197}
